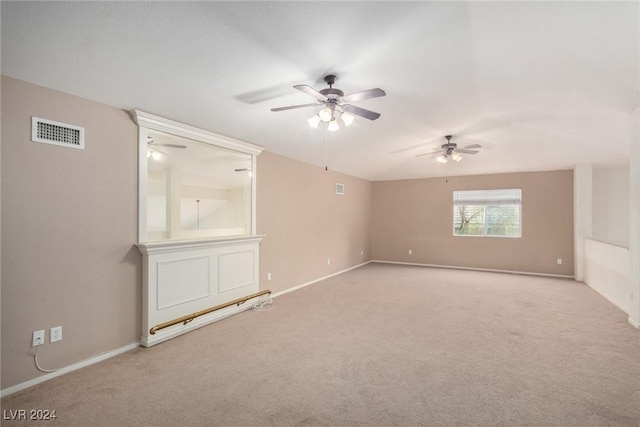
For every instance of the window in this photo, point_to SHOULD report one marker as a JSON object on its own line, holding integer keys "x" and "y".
{"x": 487, "y": 213}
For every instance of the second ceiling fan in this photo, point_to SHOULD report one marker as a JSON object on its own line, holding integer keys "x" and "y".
{"x": 336, "y": 104}
{"x": 450, "y": 150}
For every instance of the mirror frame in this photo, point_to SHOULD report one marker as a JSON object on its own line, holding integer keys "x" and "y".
{"x": 147, "y": 122}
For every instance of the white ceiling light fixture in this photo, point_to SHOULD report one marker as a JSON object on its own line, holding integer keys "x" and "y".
{"x": 333, "y": 125}
{"x": 314, "y": 121}
{"x": 326, "y": 114}
{"x": 347, "y": 118}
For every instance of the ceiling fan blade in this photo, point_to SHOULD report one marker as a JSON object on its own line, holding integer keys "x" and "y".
{"x": 472, "y": 146}
{"x": 292, "y": 107}
{"x": 431, "y": 153}
{"x": 465, "y": 151}
{"x": 367, "y": 114}
{"x": 365, "y": 94}
{"x": 171, "y": 145}
{"x": 161, "y": 144}
{"x": 311, "y": 91}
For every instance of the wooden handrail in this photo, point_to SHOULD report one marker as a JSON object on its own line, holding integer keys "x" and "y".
{"x": 189, "y": 317}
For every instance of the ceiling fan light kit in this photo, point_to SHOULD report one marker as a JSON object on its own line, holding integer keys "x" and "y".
{"x": 326, "y": 114}
{"x": 333, "y": 125}
{"x": 347, "y": 118}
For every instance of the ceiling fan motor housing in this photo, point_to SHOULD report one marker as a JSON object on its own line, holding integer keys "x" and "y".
{"x": 449, "y": 146}
{"x": 332, "y": 93}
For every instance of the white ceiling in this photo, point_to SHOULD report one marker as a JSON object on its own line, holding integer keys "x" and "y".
{"x": 540, "y": 85}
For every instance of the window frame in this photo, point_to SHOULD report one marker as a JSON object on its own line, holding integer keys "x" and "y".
{"x": 487, "y": 202}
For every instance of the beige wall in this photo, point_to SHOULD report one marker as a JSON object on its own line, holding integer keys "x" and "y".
{"x": 69, "y": 222}
{"x": 417, "y": 215}
{"x": 306, "y": 222}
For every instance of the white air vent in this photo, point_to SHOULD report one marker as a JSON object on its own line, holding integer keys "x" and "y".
{"x": 57, "y": 133}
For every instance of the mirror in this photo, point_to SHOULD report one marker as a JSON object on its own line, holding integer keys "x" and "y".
{"x": 196, "y": 189}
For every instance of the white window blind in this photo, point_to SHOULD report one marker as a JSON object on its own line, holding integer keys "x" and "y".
{"x": 511, "y": 196}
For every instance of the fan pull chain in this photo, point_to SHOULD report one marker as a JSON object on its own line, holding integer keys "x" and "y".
{"x": 326, "y": 149}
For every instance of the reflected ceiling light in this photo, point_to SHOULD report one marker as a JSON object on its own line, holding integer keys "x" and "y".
{"x": 333, "y": 125}
{"x": 314, "y": 121}
{"x": 154, "y": 154}
{"x": 347, "y": 118}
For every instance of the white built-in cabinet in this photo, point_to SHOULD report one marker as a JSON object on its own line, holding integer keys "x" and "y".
{"x": 196, "y": 225}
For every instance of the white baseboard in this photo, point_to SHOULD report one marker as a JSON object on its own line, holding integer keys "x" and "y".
{"x": 491, "y": 270}
{"x": 633, "y": 323}
{"x": 295, "y": 288}
{"x": 90, "y": 361}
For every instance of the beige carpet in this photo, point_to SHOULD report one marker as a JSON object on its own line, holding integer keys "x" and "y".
{"x": 382, "y": 345}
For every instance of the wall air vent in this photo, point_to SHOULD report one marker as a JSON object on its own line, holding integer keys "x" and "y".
{"x": 56, "y": 133}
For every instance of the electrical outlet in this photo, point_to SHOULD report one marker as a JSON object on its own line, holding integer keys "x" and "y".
{"x": 362, "y": 252}
{"x": 55, "y": 334}
{"x": 38, "y": 338}
{"x": 268, "y": 276}
{"x": 559, "y": 261}
{"x": 410, "y": 252}
{"x": 328, "y": 261}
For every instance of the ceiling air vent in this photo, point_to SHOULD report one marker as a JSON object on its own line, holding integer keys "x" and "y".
{"x": 57, "y": 133}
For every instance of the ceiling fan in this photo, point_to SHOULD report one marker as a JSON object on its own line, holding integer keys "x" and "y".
{"x": 450, "y": 150}
{"x": 336, "y": 104}
{"x": 156, "y": 154}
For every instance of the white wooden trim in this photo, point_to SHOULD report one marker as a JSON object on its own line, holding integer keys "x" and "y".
{"x": 70, "y": 368}
{"x": 176, "y": 128}
{"x": 184, "y": 277}
{"x": 142, "y": 184}
{"x": 491, "y": 270}
{"x": 254, "y": 193}
{"x": 172, "y": 245}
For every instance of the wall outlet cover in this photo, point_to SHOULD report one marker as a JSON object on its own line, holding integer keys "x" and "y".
{"x": 55, "y": 334}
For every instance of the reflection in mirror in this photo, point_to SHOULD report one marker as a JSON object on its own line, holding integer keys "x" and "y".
{"x": 195, "y": 189}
